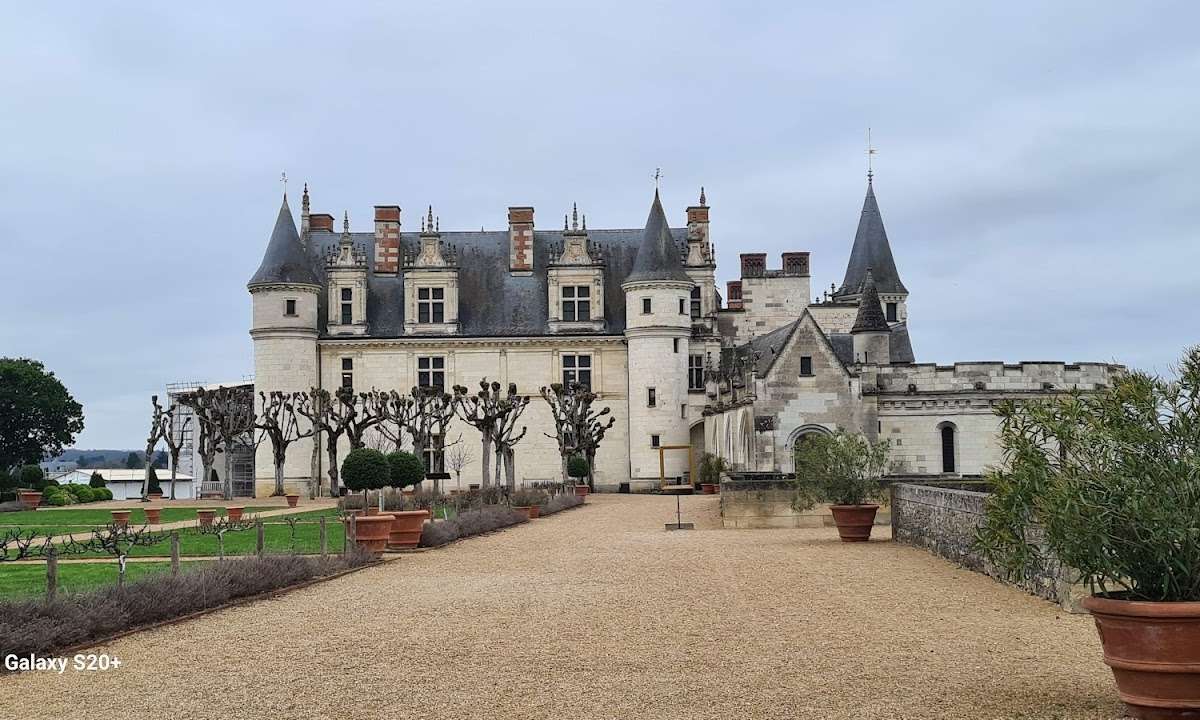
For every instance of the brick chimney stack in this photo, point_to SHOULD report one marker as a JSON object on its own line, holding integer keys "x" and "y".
{"x": 320, "y": 222}
{"x": 387, "y": 238}
{"x": 733, "y": 295}
{"x": 520, "y": 240}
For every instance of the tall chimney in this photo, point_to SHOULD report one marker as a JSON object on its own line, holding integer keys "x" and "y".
{"x": 387, "y": 238}
{"x": 520, "y": 239}
{"x": 320, "y": 222}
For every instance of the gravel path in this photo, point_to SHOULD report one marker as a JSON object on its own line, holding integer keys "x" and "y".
{"x": 599, "y": 613}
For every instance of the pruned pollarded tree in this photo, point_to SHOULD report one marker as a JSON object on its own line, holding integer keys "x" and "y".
{"x": 233, "y": 413}
{"x": 173, "y": 432}
{"x": 578, "y": 429}
{"x": 509, "y": 410}
{"x": 156, "y": 430}
{"x": 279, "y": 422}
{"x": 480, "y": 410}
{"x": 433, "y": 409}
{"x": 396, "y": 412}
{"x": 330, "y": 414}
{"x": 203, "y": 404}
{"x": 361, "y": 412}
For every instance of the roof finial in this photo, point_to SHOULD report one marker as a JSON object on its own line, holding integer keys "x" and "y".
{"x": 657, "y": 177}
{"x": 304, "y": 201}
{"x": 574, "y": 216}
{"x": 585, "y": 222}
{"x": 437, "y": 224}
{"x": 703, "y": 200}
{"x": 564, "y": 222}
{"x": 283, "y": 179}
{"x": 346, "y": 222}
{"x": 429, "y": 220}
{"x": 871, "y": 153}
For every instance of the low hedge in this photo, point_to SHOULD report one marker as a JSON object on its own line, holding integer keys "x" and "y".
{"x": 44, "y": 628}
{"x": 558, "y": 503}
{"x": 470, "y": 522}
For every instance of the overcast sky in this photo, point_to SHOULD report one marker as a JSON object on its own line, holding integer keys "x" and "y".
{"x": 1036, "y": 170}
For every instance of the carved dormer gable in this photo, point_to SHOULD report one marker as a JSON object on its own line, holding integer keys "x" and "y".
{"x": 346, "y": 270}
{"x": 576, "y": 280}
{"x": 431, "y": 283}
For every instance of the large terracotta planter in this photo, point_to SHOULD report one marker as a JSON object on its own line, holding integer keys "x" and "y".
{"x": 582, "y": 490}
{"x": 372, "y": 531}
{"x": 234, "y": 513}
{"x": 154, "y": 515}
{"x": 293, "y": 500}
{"x": 1153, "y": 649}
{"x": 31, "y": 498}
{"x": 406, "y": 528}
{"x": 155, "y": 496}
{"x": 121, "y": 518}
{"x": 531, "y": 511}
{"x": 708, "y": 488}
{"x": 206, "y": 517}
{"x": 854, "y": 522}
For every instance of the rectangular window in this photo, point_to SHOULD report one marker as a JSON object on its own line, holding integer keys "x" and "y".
{"x": 655, "y": 441}
{"x": 434, "y": 456}
{"x": 806, "y": 365}
{"x": 289, "y": 308}
{"x": 576, "y": 303}
{"x": 347, "y": 294}
{"x": 431, "y": 371}
{"x": 577, "y": 369}
{"x": 891, "y": 312}
{"x": 683, "y": 411}
{"x": 347, "y": 363}
{"x": 651, "y": 397}
{"x": 695, "y": 372}
{"x": 348, "y": 380}
{"x": 347, "y": 313}
{"x": 431, "y": 305}
{"x": 645, "y": 306}
{"x": 696, "y": 303}
{"x": 675, "y": 344}
{"x": 682, "y": 306}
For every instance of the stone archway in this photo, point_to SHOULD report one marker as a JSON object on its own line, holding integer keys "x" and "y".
{"x": 798, "y": 436}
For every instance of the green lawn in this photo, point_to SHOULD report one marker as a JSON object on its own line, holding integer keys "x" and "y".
{"x": 277, "y": 538}
{"x": 77, "y": 517}
{"x": 24, "y": 581}
{"x": 304, "y": 516}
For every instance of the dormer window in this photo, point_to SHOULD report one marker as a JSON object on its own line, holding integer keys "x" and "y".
{"x": 347, "y": 306}
{"x": 576, "y": 303}
{"x": 431, "y": 305}
{"x": 696, "y": 303}
{"x": 289, "y": 307}
{"x": 891, "y": 312}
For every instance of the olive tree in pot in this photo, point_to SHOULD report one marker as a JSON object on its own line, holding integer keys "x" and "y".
{"x": 842, "y": 469}
{"x": 1108, "y": 483}
{"x": 366, "y": 469}
{"x": 406, "y": 470}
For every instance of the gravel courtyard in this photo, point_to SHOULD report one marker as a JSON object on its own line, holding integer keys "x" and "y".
{"x": 599, "y": 613}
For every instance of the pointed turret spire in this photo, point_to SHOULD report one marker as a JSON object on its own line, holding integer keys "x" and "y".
{"x": 870, "y": 312}
{"x": 658, "y": 256}
{"x": 574, "y": 216}
{"x": 871, "y": 250}
{"x": 285, "y": 260}
{"x": 345, "y": 223}
{"x": 703, "y": 200}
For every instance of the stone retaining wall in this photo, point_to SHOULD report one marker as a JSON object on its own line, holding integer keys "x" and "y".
{"x": 765, "y": 501}
{"x": 943, "y": 521}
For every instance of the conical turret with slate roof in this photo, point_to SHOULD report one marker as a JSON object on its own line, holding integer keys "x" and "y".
{"x": 658, "y": 256}
{"x": 870, "y": 312}
{"x": 285, "y": 261}
{"x": 871, "y": 251}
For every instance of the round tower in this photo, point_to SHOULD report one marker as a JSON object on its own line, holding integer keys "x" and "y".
{"x": 284, "y": 327}
{"x": 657, "y": 331}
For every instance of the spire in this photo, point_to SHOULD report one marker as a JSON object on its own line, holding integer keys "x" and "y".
{"x": 871, "y": 250}
{"x": 870, "y": 313}
{"x": 285, "y": 260}
{"x": 658, "y": 256}
{"x": 429, "y": 220}
{"x": 703, "y": 200}
{"x": 304, "y": 201}
{"x": 574, "y": 216}
{"x": 345, "y": 225}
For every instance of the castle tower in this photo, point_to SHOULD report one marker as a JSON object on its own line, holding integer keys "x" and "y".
{"x": 658, "y": 328}
{"x": 871, "y": 334}
{"x": 284, "y": 293}
{"x": 872, "y": 251}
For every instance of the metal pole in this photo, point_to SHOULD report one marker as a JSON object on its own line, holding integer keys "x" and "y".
{"x": 324, "y": 540}
{"x": 175, "y": 553}
{"x": 261, "y": 540}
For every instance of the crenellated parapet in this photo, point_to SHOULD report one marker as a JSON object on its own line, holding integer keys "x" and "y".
{"x": 993, "y": 377}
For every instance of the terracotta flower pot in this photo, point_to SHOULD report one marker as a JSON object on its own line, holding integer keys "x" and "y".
{"x": 854, "y": 522}
{"x": 234, "y": 513}
{"x": 31, "y": 498}
{"x": 708, "y": 488}
{"x": 531, "y": 511}
{"x": 155, "y": 496}
{"x": 121, "y": 517}
{"x": 582, "y": 490}
{"x": 1153, "y": 649}
{"x": 406, "y": 528}
{"x": 372, "y": 531}
{"x": 293, "y": 499}
{"x": 373, "y": 510}
{"x": 154, "y": 515}
{"x": 206, "y": 517}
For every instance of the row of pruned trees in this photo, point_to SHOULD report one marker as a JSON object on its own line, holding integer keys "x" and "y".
{"x": 228, "y": 417}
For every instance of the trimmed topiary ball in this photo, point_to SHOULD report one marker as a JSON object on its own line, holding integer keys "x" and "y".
{"x": 577, "y": 467}
{"x": 407, "y": 469}
{"x": 366, "y": 469}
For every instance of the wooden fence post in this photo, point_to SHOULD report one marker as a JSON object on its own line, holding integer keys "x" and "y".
{"x": 51, "y": 573}
{"x": 261, "y": 540}
{"x": 175, "y": 553}
{"x": 324, "y": 540}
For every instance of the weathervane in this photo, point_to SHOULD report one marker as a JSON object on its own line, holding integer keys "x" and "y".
{"x": 283, "y": 179}
{"x": 871, "y": 153}
{"x": 657, "y": 177}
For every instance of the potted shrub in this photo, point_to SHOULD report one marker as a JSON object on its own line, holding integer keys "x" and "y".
{"x": 154, "y": 490}
{"x": 33, "y": 480}
{"x": 711, "y": 467}
{"x": 578, "y": 469}
{"x": 1108, "y": 484}
{"x": 366, "y": 469}
{"x": 405, "y": 471}
{"x": 528, "y": 501}
{"x": 842, "y": 469}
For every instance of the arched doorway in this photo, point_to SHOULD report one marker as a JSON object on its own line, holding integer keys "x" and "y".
{"x": 801, "y": 435}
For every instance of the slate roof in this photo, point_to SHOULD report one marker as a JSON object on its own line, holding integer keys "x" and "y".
{"x": 770, "y": 345}
{"x": 491, "y": 300}
{"x": 285, "y": 260}
{"x": 658, "y": 255}
{"x": 870, "y": 316}
{"x": 871, "y": 250}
